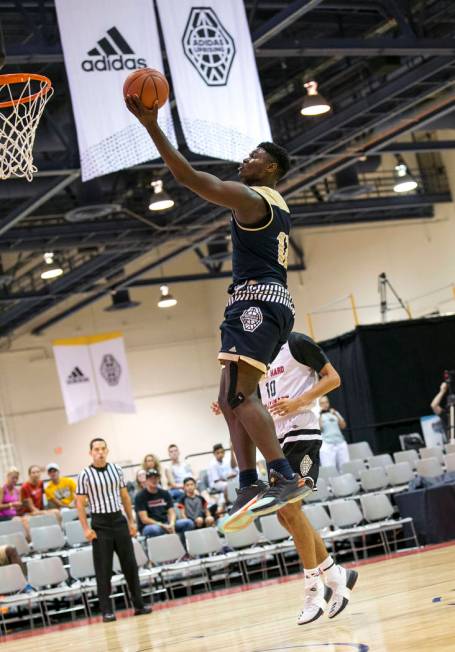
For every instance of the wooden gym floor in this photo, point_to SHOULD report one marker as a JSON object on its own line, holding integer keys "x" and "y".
{"x": 400, "y": 604}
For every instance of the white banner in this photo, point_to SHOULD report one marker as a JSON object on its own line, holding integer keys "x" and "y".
{"x": 77, "y": 380}
{"x": 111, "y": 372}
{"x": 103, "y": 41}
{"x": 214, "y": 74}
{"x": 93, "y": 374}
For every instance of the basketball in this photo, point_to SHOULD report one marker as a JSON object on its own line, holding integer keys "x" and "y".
{"x": 149, "y": 84}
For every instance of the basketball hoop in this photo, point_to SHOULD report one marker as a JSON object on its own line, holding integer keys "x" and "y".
{"x": 23, "y": 97}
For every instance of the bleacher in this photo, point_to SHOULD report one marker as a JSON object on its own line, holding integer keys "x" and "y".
{"x": 353, "y": 510}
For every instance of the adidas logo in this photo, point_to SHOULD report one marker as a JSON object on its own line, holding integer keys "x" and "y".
{"x": 76, "y": 376}
{"x": 113, "y": 52}
{"x": 233, "y": 349}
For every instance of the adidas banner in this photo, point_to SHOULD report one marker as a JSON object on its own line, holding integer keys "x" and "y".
{"x": 214, "y": 75}
{"x": 103, "y": 41}
{"x": 93, "y": 374}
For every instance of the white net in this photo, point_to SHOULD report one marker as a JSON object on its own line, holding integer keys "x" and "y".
{"x": 25, "y": 98}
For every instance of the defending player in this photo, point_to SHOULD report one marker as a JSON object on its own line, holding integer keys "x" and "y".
{"x": 259, "y": 315}
{"x": 300, "y": 374}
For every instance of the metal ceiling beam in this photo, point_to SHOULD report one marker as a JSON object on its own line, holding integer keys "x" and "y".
{"x": 368, "y": 103}
{"x": 368, "y": 205}
{"x": 283, "y": 19}
{"x": 27, "y": 207}
{"x": 417, "y": 213}
{"x": 351, "y": 47}
{"x": 419, "y": 146}
{"x": 144, "y": 282}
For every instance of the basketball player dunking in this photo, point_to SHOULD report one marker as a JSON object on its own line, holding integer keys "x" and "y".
{"x": 259, "y": 315}
{"x": 300, "y": 374}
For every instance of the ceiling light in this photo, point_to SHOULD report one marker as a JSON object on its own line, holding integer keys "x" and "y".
{"x": 404, "y": 181}
{"x": 160, "y": 200}
{"x": 314, "y": 103}
{"x": 121, "y": 301}
{"x": 166, "y": 298}
{"x": 51, "y": 268}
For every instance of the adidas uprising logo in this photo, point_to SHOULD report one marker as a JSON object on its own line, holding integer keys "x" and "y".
{"x": 76, "y": 376}
{"x": 113, "y": 52}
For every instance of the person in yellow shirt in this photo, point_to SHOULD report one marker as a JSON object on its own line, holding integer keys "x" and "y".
{"x": 60, "y": 491}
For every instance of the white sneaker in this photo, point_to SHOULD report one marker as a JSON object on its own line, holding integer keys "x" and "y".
{"x": 341, "y": 581}
{"x": 315, "y": 602}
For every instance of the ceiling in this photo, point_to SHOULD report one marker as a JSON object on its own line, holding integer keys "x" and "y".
{"x": 388, "y": 69}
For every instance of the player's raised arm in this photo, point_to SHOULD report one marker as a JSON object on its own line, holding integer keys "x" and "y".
{"x": 231, "y": 194}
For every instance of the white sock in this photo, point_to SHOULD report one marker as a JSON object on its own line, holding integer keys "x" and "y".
{"x": 311, "y": 576}
{"x": 330, "y": 570}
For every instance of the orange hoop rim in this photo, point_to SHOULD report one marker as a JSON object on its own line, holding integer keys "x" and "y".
{"x": 22, "y": 78}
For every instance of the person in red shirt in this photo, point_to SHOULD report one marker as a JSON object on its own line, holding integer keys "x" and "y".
{"x": 32, "y": 493}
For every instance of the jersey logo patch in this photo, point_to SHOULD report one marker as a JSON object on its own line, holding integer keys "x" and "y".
{"x": 251, "y": 319}
{"x": 305, "y": 465}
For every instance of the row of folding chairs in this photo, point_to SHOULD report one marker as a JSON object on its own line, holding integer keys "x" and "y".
{"x": 42, "y": 520}
{"x": 163, "y": 566}
{"x": 47, "y": 539}
{"x": 362, "y": 451}
{"x": 346, "y": 519}
{"x": 378, "y": 477}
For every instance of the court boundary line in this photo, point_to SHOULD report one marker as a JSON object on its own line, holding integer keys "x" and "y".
{"x": 210, "y": 595}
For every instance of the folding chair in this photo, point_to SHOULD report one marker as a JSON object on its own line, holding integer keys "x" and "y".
{"x": 320, "y": 494}
{"x": 379, "y": 461}
{"x": 75, "y": 534}
{"x": 231, "y": 489}
{"x": 17, "y": 540}
{"x": 377, "y": 510}
{"x": 13, "y": 582}
{"x": 432, "y": 451}
{"x": 42, "y": 520}
{"x": 344, "y": 485}
{"x": 399, "y": 474}
{"x": 279, "y": 537}
{"x": 346, "y": 516}
{"x": 318, "y": 517}
{"x": 246, "y": 543}
{"x": 11, "y": 527}
{"x": 167, "y": 552}
{"x": 411, "y": 456}
{"x": 354, "y": 467}
{"x": 361, "y": 450}
{"x": 207, "y": 545}
{"x": 373, "y": 479}
{"x": 47, "y": 539}
{"x": 68, "y": 515}
{"x": 429, "y": 467}
{"x": 147, "y": 575}
{"x": 449, "y": 461}
{"x": 81, "y": 568}
{"x": 49, "y": 577}
{"x": 327, "y": 472}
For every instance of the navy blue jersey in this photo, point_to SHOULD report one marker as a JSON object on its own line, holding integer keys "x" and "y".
{"x": 261, "y": 253}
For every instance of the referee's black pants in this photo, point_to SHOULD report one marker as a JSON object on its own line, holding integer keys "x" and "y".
{"x": 112, "y": 535}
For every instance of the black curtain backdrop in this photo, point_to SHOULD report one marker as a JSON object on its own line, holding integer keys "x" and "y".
{"x": 390, "y": 373}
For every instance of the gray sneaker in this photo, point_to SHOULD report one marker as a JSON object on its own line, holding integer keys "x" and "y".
{"x": 239, "y": 516}
{"x": 281, "y": 492}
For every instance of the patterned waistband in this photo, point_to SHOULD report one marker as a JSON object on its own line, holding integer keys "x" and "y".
{"x": 270, "y": 292}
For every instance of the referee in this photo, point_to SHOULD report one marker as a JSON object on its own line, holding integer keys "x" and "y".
{"x": 103, "y": 485}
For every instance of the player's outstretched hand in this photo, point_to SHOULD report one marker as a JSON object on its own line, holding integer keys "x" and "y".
{"x": 284, "y": 406}
{"x": 215, "y": 408}
{"x": 145, "y": 116}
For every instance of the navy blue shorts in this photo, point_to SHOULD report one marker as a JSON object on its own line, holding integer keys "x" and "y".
{"x": 255, "y": 331}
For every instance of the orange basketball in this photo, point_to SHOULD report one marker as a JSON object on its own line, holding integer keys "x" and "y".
{"x": 149, "y": 84}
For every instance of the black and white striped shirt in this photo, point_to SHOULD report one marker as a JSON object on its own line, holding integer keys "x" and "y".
{"x": 102, "y": 487}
